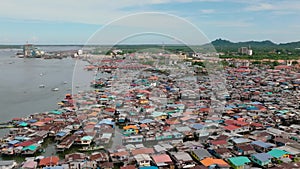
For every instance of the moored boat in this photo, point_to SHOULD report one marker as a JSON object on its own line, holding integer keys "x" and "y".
{"x": 93, "y": 148}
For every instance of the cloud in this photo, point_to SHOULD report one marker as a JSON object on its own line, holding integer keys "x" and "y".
{"x": 260, "y": 7}
{"x": 281, "y": 7}
{"x": 88, "y": 11}
{"x": 230, "y": 23}
{"x": 207, "y": 11}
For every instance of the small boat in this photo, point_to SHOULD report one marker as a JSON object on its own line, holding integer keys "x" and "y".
{"x": 42, "y": 86}
{"x": 55, "y": 89}
{"x": 65, "y": 82}
{"x": 93, "y": 148}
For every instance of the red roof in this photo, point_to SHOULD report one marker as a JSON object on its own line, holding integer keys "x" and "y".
{"x": 143, "y": 151}
{"x": 204, "y": 109}
{"x": 218, "y": 142}
{"x": 231, "y": 127}
{"x": 240, "y": 123}
{"x": 25, "y": 143}
{"x": 129, "y": 167}
{"x": 162, "y": 158}
{"x": 256, "y": 125}
{"x": 101, "y": 156}
{"x": 52, "y": 160}
{"x": 282, "y": 67}
{"x": 229, "y": 122}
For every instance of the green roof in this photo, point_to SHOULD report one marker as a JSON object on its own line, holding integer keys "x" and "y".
{"x": 56, "y": 112}
{"x": 283, "y": 111}
{"x": 31, "y": 148}
{"x": 86, "y": 138}
{"x": 277, "y": 153}
{"x": 23, "y": 124}
{"x": 239, "y": 161}
{"x": 103, "y": 99}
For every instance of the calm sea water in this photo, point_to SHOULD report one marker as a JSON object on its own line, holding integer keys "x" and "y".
{"x": 20, "y": 94}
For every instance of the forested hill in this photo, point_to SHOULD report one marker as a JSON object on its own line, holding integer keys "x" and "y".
{"x": 263, "y": 46}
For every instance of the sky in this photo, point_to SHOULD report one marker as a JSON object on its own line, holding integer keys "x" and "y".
{"x": 83, "y": 22}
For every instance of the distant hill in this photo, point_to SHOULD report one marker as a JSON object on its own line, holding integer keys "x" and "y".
{"x": 263, "y": 46}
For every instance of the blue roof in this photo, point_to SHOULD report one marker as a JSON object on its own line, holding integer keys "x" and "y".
{"x": 230, "y": 107}
{"x": 197, "y": 126}
{"x": 21, "y": 138}
{"x": 149, "y": 167}
{"x": 32, "y": 121}
{"x": 262, "y": 156}
{"x": 14, "y": 142}
{"x": 55, "y": 167}
{"x": 146, "y": 121}
{"x": 252, "y": 108}
{"x": 261, "y": 144}
{"x": 60, "y": 134}
{"x": 107, "y": 121}
{"x": 241, "y": 140}
{"x": 256, "y": 103}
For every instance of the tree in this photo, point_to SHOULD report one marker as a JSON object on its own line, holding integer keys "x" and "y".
{"x": 294, "y": 62}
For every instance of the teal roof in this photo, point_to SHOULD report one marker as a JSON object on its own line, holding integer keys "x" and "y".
{"x": 157, "y": 114}
{"x": 112, "y": 97}
{"x": 239, "y": 161}
{"x": 31, "y": 148}
{"x": 86, "y": 138}
{"x": 277, "y": 153}
{"x": 140, "y": 95}
{"x": 23, "y": 124}
{"x": 283, "y": 111}
{"x": 103, "y": 99}
{"x": 55, "y": 112}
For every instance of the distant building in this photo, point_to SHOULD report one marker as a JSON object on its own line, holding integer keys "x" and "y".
{"x": 28, "y": 50}
{"x": 245, "y": 51}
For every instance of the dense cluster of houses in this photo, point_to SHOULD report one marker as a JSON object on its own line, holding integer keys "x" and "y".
{"x": 144, "y": 117}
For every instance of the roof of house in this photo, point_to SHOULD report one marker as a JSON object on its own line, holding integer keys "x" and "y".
{"x": 99, "y": 156}
{"x": 29, "y": 164}
{"x": 199, "y": 167}
{"x": 241, "y": 140}
{"x": 239, "y": 161}
{"x": 52, "y": 160}
{"x": 222, "y": 150}
{"x": 149, "y": 167}
{"x": 212, "y": 161}
{"x": 142, "y": 151}
{"x": 262, "y": 156}
{"x": 128, "y": 167}
{"x": 201, "y": 153}
{"x": 182, "y": 156}
{"x": 245, "y": 147}
{"x": 277, "y": 153}
{"x": 7, "y": 162}
{"x": 290, "y": 149}
{"x": 261, "y": 144}
{"x": 142, "y": 157}
{"x": 231, "y": 127}
{"x": 162, "y": 158}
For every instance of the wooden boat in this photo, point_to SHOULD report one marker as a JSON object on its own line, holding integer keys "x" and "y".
{"x": 93, "y": 148}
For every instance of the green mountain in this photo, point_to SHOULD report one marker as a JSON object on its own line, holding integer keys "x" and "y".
{"x": 258, "y": 46}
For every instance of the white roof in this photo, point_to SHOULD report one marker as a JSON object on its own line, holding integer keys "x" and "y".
{"x": 142, "y": 157}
